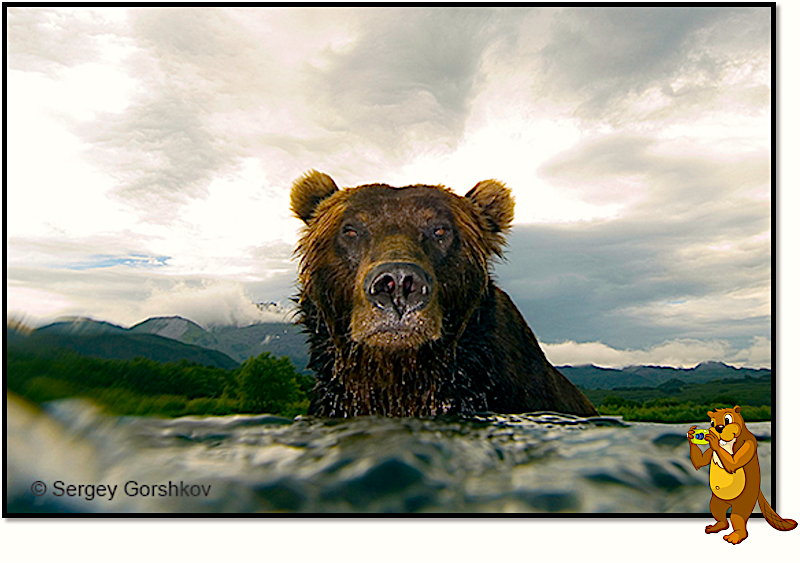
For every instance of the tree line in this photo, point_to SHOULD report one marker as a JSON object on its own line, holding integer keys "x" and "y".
{"x": 674, "y": 411}
{"x": 261, "y": 384}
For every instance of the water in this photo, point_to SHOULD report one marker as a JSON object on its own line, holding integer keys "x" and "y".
{"x": 539, "y": 462}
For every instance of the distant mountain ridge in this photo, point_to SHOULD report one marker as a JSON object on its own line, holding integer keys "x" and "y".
{"x": 236, "y": 343}
{"x": 180, "y": 329}
{"x": 593, "y": 377}
{"x": 108, "y": 341}
{"x": 80, "y": 326}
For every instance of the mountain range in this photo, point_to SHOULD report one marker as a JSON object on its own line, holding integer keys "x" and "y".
{"x": 593, "y": 377}
{"x": 111, "y": 343}
{"x": 221, "y": 346}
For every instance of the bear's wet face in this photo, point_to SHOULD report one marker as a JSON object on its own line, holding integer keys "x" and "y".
{"x": 396, "y": 240}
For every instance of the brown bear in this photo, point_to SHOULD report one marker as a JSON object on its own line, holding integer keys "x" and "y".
{"x": 401, "y": 313}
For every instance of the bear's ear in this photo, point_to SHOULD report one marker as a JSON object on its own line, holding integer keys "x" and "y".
{"x": 737, "y": 409}
{"x": 495, "y": 203}
{"x": 308, "y": 191}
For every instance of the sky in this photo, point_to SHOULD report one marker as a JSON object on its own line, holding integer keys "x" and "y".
{"x": 151, "y": 152}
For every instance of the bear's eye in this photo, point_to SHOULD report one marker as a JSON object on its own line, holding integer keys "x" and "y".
{"x": 349, "y": 232}
{"x": 438, "y": 233}
{"x": 728, "y": 419}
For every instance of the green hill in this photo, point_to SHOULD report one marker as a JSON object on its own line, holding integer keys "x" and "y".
{"x": 80, "y": 326}
{"x": 122, "y": 346}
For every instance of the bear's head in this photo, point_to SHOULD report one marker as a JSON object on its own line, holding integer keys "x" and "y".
{"x": 397, "y": 268}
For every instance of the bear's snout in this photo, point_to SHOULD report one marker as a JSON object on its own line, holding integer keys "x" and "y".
{"x": 398, "y": 288}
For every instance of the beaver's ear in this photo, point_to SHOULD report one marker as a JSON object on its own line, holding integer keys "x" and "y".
{"x": 710, "y": 415}
{"x": 308, "y": 191}
{"x": 737, "y": 409}
{"x": 495, "y": 202}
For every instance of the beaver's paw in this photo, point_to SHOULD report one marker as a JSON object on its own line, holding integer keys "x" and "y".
{"x": 718, "y": 527}
{"x": 735, "y": 536}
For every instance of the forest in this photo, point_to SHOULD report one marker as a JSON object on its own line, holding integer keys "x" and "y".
{"x": 141, "y": 386}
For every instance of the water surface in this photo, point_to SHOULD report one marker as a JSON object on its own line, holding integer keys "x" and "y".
{"x": 539, "y": 462}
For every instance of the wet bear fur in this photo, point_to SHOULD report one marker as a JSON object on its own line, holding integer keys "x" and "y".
{"x": 401, "y": 314}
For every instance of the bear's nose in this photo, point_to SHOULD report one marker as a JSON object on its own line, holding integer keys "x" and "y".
{"x": 719, "y": 427}
{"x": 399, "y": 287}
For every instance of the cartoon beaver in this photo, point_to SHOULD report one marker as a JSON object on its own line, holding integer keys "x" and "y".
{"x": 734, "y": 475}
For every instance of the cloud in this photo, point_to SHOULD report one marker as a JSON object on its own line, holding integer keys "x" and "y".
{"x": 49, "y": 39}
{"x": 209, "y": 303}
{"x": 671, "y": 180}
{"x": 679, "y": 353}
{"x": 99, "y": 251}
{"x": 127, "y": 295}
{"x": 630, "y": 283}
{"x": 609, "y": 61}
{"x": 407, "y": 77}
{"x": 688, "y": 255}
{"x": 113, "y": 293}
{"x": 193, "y": 70}
{"x": 32, "y": 304}
{"x": 758, "y": 354}
{"x": 161, "y": 150}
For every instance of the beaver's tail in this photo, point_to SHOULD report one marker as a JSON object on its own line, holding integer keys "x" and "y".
{"x": 772, "y": 517}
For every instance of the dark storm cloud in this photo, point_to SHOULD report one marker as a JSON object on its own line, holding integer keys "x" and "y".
{"x": 597, "y": 57}
{"x": 581, "y": 284}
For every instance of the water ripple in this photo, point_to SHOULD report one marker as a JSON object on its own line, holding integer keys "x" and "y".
{"x": 535, "y": 462}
